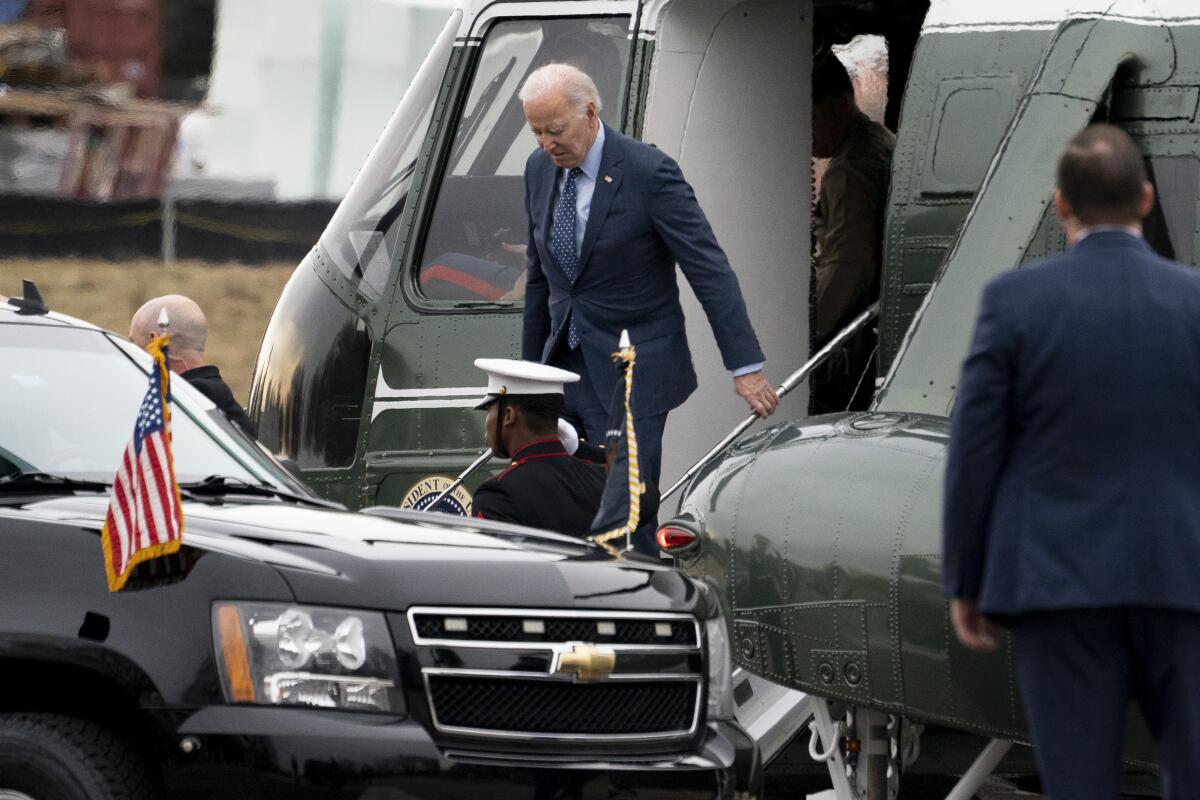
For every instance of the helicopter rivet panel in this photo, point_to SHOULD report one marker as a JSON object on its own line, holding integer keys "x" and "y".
{"x": 1026, "y": 14}
{"x": 843, "y": 672}
{"x": 851, "y": 504}
{"x": 1076, "y": 75}
{"x": 747, "y": 648}
{"x": 763, "y": 649}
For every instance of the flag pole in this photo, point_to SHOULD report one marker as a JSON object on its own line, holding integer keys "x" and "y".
{"x": 792, "y": 382}
{"x": 625, "y": 356}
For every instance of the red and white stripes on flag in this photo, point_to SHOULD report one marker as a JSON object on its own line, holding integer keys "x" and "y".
{"x": 145, "y": 515}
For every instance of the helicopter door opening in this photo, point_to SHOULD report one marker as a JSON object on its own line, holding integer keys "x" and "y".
{"x": 729, "y": 99}
{"x": 1171, "y": 227}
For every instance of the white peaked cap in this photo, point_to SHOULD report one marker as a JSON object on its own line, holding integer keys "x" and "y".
{"x": 507, "y": 376}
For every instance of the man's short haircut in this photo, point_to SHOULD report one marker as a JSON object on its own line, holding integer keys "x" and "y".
{"x": 1101, "y": 174}
{"x": 579, "y": 87}
{"x": 188, "y": 325}
{"x": 830, "y": 79}
{"x": 541, "y": 410}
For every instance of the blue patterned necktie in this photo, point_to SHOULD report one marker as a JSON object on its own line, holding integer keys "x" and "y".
{"x": 562, "y": 242}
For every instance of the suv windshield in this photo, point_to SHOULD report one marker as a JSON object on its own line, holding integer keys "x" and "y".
{"x": 68, "y": 401}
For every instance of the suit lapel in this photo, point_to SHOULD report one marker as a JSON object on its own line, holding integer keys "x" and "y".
{"x": 608, "y": 179}
{"x": 548, "y": 179}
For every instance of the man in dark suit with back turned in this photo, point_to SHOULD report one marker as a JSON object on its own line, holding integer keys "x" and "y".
{"x": 609, "y": 217}
{"x": 1072, "y": 505}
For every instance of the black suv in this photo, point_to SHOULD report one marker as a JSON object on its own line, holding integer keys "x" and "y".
{"x": 292, "y": 649}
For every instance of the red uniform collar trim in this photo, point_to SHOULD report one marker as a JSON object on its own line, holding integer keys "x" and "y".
{"x": 540, "y": 447}
{"x": 545, "y": 448}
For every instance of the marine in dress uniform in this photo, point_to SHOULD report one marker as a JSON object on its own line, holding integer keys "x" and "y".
{"x": 545, "y": 486}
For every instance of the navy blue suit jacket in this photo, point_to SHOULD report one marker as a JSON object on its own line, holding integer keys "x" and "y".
{"x": 1073, "y": 474}
{"x": 644, "y": 218}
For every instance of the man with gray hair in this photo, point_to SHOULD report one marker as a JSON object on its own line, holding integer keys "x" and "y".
{"x": 609, "y": 218}
{"x": 189, "y": 330}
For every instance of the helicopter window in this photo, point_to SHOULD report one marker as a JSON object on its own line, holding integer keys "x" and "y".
{"x": 474, "y": 248}
{"x": 957, "y": 163}
{"x": 362, "y": 236}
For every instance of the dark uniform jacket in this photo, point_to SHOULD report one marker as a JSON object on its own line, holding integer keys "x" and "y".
{"x": 545, "y": 487}
{"x": 208, "y": 380}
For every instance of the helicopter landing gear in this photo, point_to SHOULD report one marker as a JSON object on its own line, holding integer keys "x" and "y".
{"x": 863, "y": 750}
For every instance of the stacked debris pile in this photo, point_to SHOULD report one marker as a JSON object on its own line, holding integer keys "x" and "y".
{"x": 67, "y": 128}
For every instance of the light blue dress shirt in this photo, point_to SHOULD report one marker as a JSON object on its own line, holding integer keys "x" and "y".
{"x": 585, "y": 187}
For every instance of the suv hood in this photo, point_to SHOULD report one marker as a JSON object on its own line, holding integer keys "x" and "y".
{"x": 345, "y": 558}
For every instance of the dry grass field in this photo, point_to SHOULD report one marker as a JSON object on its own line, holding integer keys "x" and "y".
{"x": 237, "y": 299}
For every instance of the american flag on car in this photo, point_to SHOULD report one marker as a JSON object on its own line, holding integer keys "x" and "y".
{"x": 145, "y": 515}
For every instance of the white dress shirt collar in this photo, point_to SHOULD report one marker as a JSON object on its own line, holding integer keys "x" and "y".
{"x": 1132, "y": 230}
{"x": 591, "y": 162}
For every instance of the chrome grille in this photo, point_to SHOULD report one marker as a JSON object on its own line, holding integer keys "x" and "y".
{"x": 558, "y": 629}
{"x": 515, "y": 673}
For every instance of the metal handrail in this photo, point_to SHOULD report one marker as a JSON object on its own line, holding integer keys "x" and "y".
{"x": 792, "y": 381}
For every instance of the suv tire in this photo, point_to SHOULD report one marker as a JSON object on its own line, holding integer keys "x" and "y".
{"x": 53, "y": 757}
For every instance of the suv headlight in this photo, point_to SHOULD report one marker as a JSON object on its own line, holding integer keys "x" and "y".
{"x": 279, "y": 654}
{"x": 720, "y": 669}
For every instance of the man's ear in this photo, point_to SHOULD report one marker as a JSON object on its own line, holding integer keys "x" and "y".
{"x": 1061, "y": 207}
{"x": 1147, "y": 204}
{"x": 510, "y": 416}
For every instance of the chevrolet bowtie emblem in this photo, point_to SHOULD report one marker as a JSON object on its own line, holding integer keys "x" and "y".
{"x": 586, "y": 662}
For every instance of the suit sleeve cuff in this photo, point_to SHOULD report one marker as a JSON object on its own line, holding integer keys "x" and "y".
{"x": 746, "y": 370}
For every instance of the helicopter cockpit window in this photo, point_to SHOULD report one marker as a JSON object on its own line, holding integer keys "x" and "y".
{"x": 474, "y": 249}
{"x": 361, "y": 238}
